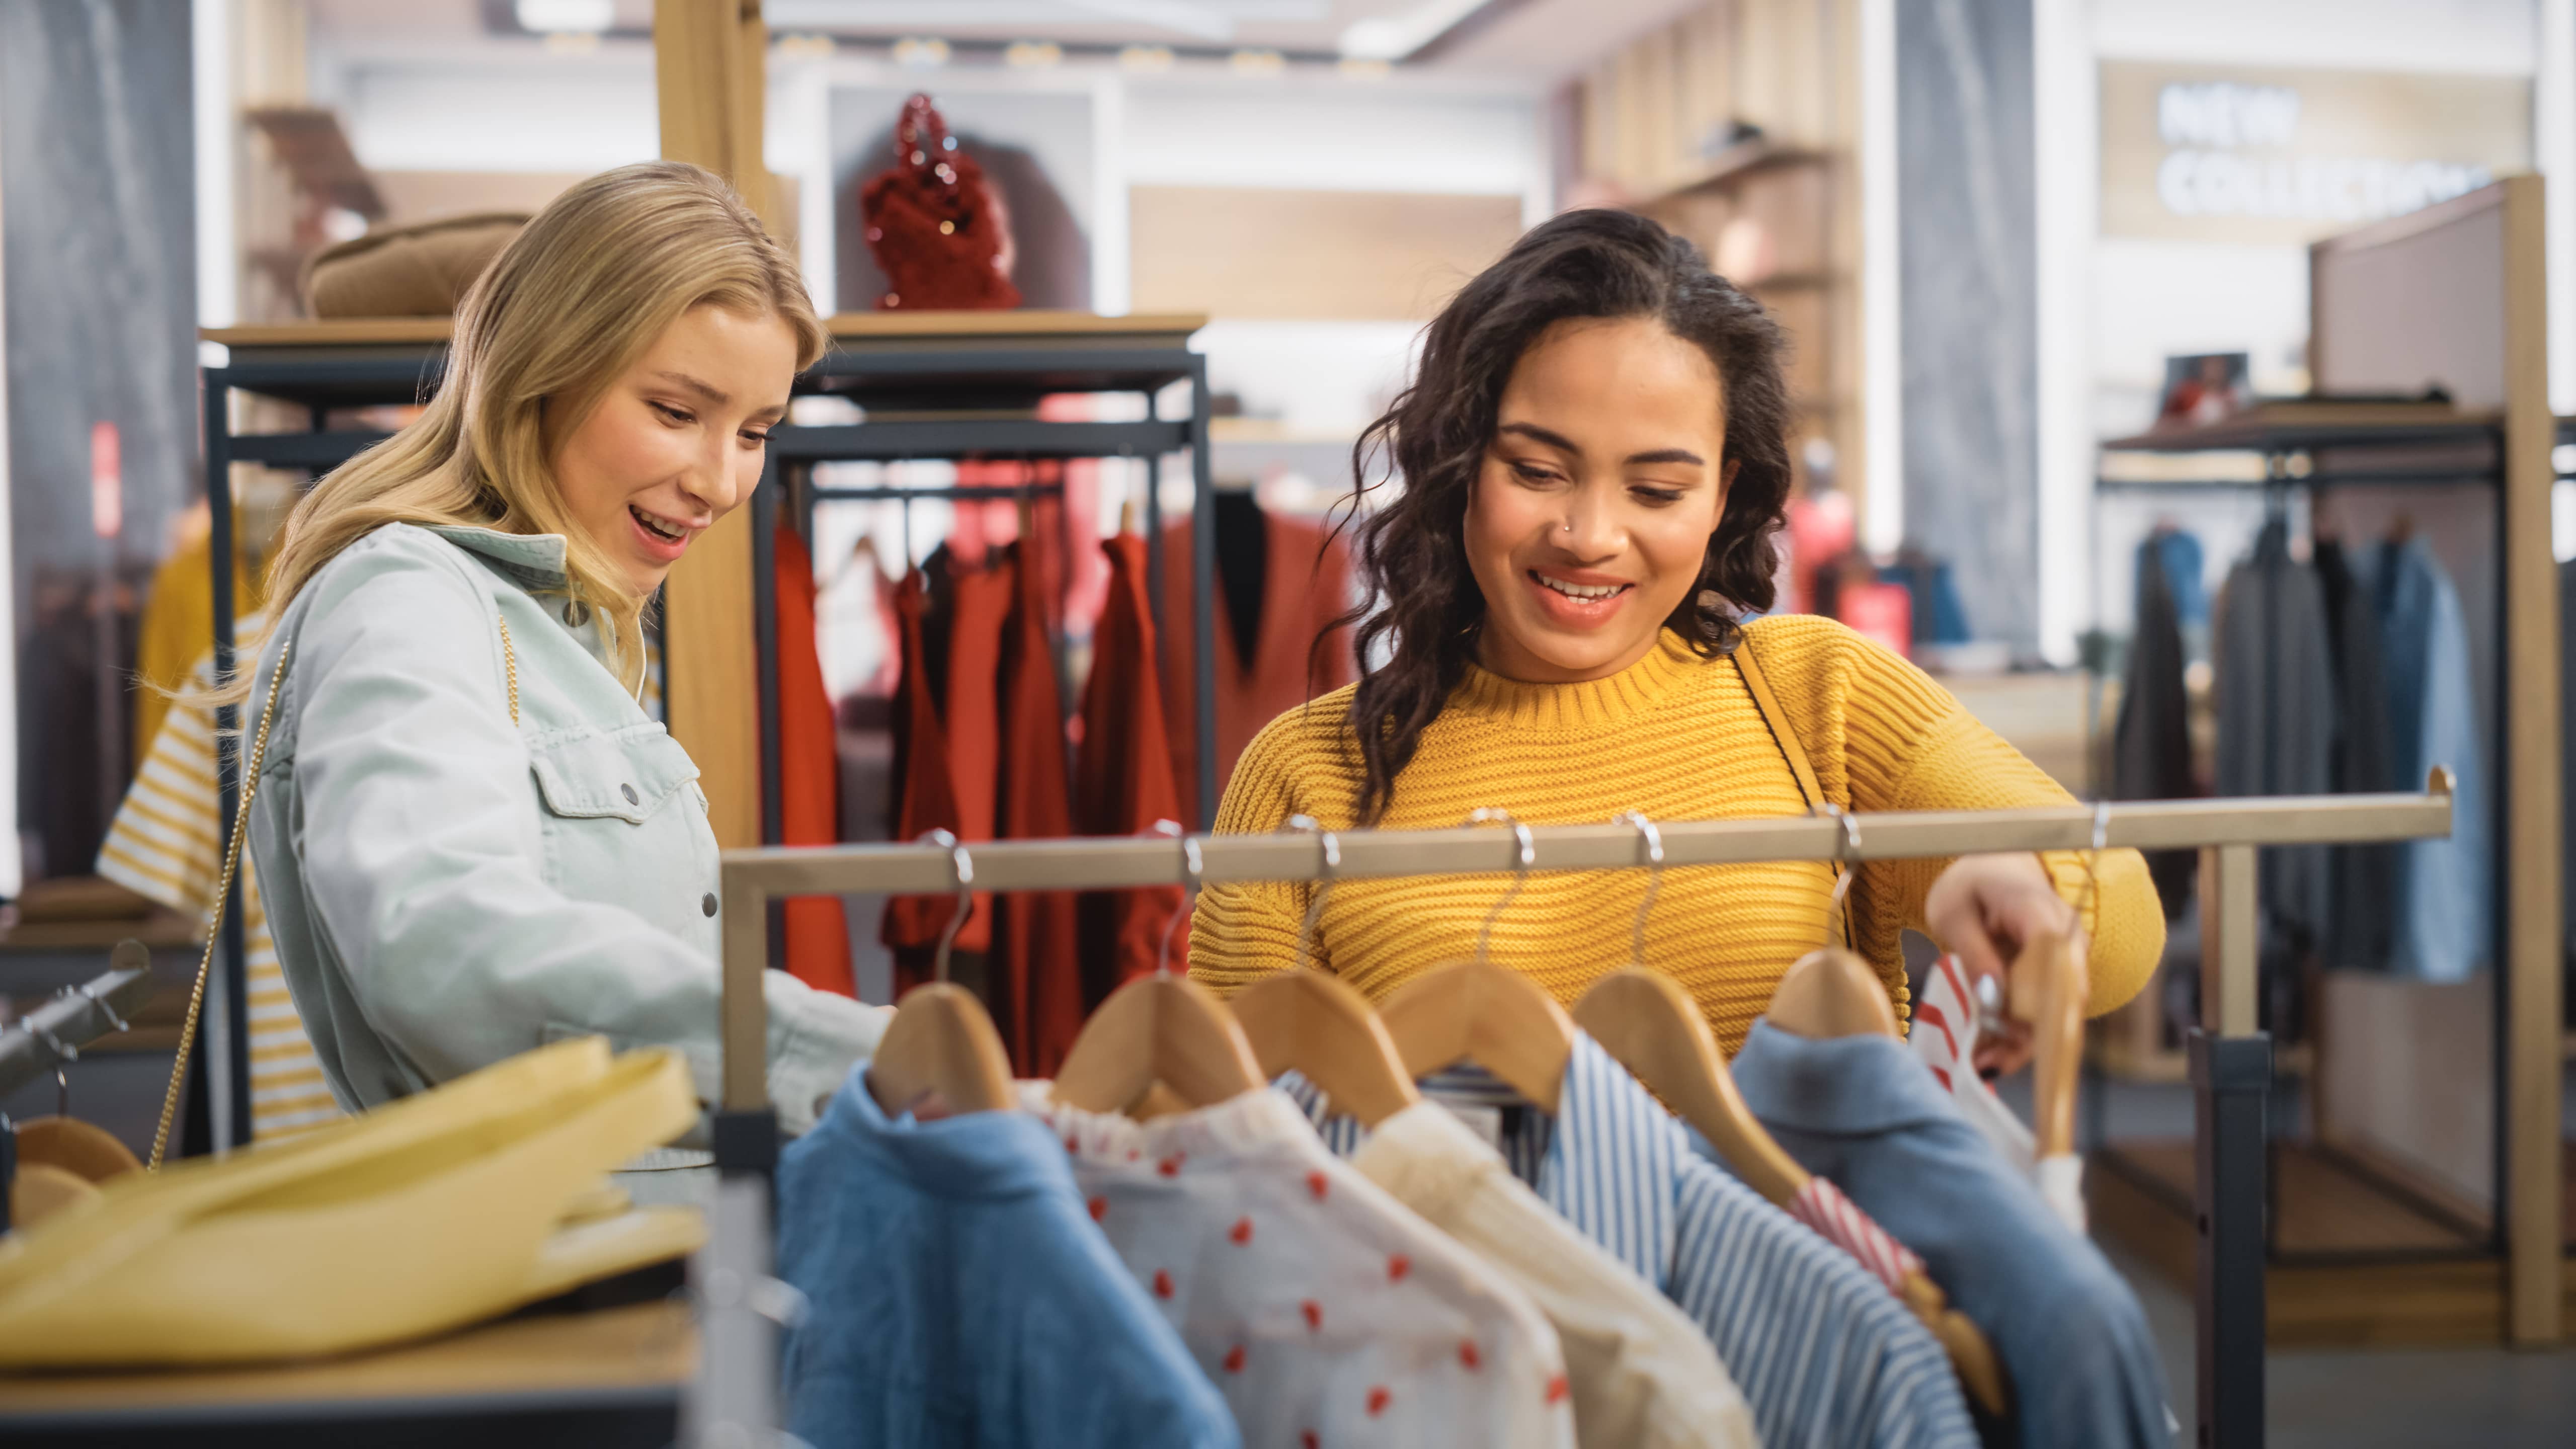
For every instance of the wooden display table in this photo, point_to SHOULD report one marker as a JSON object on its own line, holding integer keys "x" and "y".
{"x": 610, "y": 1377}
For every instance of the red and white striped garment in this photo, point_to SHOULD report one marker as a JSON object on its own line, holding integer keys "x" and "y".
{"x": 1945, "y": 1041}
{"x": 1839, "y": 1221}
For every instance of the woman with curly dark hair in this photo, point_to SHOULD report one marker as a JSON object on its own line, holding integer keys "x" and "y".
{"x": 1593, "y": 458}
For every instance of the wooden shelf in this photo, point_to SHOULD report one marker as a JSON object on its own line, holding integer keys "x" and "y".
{"x": 1736, "y": 162}
{"x": 430, "y": 331}
{"x": 633, "y": 1357}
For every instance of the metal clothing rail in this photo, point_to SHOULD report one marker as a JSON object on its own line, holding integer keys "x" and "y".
{"x": 2230, "y": 1057}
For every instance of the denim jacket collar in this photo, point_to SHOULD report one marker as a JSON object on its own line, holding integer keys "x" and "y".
{"x": 1849, "y": 1085}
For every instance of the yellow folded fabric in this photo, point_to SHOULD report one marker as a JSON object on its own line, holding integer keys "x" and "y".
{"x": 427, "y": 1214}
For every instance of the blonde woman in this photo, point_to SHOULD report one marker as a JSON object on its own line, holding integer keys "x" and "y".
{"x": 471, "y": 839}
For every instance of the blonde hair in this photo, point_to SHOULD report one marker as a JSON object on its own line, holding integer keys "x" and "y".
{"x": 560, "y": 314}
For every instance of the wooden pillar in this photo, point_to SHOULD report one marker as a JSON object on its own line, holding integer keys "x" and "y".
{"x": 2532, "y": 1042}
{"x": 710, "y": 68}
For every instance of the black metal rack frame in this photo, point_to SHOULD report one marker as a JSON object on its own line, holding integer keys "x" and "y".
{"x": 939, "y": 398}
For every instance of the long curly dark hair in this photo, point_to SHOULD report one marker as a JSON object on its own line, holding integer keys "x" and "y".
{"x": 1419, "y": 597}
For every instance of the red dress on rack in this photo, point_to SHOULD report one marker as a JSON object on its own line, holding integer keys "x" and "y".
{"x": 1123, "y": 780}
{"x": 925, "y": 793}
{"x": 1037, "y": 966}
{"x": 1301, "y": 594}
{"x": 979, "y": 614}
{"x": 809, "y": 770}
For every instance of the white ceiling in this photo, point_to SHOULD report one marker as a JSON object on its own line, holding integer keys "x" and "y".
{"x": 1541, "y": 40}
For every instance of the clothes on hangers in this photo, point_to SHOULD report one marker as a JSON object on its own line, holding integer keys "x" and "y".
{"x": 1122, "y": 778}
{"x": 2444, "y": 925}
{"x": 1037, "y": 939}
{"x": 1881, "y": 735}
{"x": 1824, "y": 1353}
{"x": 809, "y": 768}
{"x": 1643, "y": 1376}
{"x": 1324, "y": 1310}
{"x": 2151, "y": 742}
{"x": 1305, "y": 586}
{"x": 957, "y": 1294}
{"x": 1862, "y": 1112}
{"x": 1944, "y": 1040}
{"x": 2276, "y": 714}
{"x": 166, "y": 844}
{"x": 2362, "y": 879}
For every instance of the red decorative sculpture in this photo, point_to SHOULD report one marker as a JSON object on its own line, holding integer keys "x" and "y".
{"x": 936, "y": 226}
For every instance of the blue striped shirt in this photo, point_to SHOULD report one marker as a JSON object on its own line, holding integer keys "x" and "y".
{"x": 1826, "y": 1356}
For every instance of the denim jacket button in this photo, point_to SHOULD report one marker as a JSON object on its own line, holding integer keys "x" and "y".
{"x": 631, "y": 797}
{"x": 707, "y": 903}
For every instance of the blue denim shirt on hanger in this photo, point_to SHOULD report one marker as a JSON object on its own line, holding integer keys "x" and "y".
{"x": 960, "y": 1297}
{"x": 1863, "y": 1113}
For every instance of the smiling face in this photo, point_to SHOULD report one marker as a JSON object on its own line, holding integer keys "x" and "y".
{"x": 1591, "y": 515}
{"x": 676, "y": 442}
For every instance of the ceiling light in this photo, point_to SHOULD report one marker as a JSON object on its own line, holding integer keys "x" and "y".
{"x": 1146, "y": 59}
{"x": 805, "y": 47}
{"x": 1355, "y": 68}
{"x": 1032, "y": 54}
{"x": 571, "y": 42}
{"x": 916, "y": 53}
{"x": 1258, "y": 62}
{"x": 549, "y": 16}
{"x": 1394, "y": 37}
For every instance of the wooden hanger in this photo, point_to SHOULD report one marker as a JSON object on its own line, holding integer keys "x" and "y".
{"x": 1310, "y": 1020}
{"x": 1650, "y": 1025}
{"x": 942, "y": 1052}
{"x": 1163, "y": 1029}
{"x": 1832, "y": 992}
{"x": 1490, "y": 1015}
{"x": 2046, "y": 987}
{"x": 77, "y": 1147}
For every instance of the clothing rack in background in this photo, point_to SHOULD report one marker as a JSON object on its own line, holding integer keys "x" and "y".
{"x": 2395, "y": 306}
{"x": 2231, "y": 1058}
{"x": 937, "y": 386}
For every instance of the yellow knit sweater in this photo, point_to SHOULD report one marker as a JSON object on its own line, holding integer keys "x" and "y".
{"x": 1679, "y": 738}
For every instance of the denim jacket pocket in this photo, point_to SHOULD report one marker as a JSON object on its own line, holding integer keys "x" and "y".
{"x": 627, "y": 774}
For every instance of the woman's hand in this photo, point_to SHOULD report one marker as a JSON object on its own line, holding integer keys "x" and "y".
{"x": 1986, "y": 908}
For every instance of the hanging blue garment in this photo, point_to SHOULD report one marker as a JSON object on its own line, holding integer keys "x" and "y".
{"x": 960, "y": 1297}
{"x": 2445, "y": 908}
{"x": 2185, "y": 574}
{"x": 1863, "y": 1113}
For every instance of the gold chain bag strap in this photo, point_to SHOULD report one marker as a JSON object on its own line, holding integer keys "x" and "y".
{"x": 232, "y": 862}
{"x": 1786, "y": 737}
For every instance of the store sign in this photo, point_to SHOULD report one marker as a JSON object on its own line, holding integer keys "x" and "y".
{"x": 2227, "y": 154}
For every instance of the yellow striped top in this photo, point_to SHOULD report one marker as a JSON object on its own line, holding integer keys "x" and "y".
{"x": 1679, "y": 738}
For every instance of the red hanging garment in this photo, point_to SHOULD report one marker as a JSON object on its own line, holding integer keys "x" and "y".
{"x": 809, "y": 769}
{"x": 925, "y": 796}
{"x": 1123, "y": 778}
{"x": 980, "y": 612}
{"x": 1301, "y": 594}
{"x": 1039, "y": 964}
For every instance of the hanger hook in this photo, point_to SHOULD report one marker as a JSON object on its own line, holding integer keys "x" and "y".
{"x": 87, "y": 992}
{"x": 961, "y": 870}
{"x": 1525, "y": 854}
{"x": 1847, "y": 856}
{"x": 1328, "y": 872}
{"x": 1195, "y": 868}
{"x": 2101, "y": 837}
{"x": 1650, "y": 853}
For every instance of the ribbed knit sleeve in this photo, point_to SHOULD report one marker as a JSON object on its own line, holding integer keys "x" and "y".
{"x": 1245, "y": 930}
{"x": 1883, "y": 736}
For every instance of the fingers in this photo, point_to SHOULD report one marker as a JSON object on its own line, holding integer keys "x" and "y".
{"x": 2010, "y": 1051}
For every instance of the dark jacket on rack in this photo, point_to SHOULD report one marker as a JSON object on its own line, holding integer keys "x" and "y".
{"x": 2363, "y": 877}
{"x": 2276, "y": 718}
{"x": 2151, "y": 744}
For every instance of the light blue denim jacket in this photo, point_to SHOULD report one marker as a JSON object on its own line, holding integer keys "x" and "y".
{"x": 448, "y": 888}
